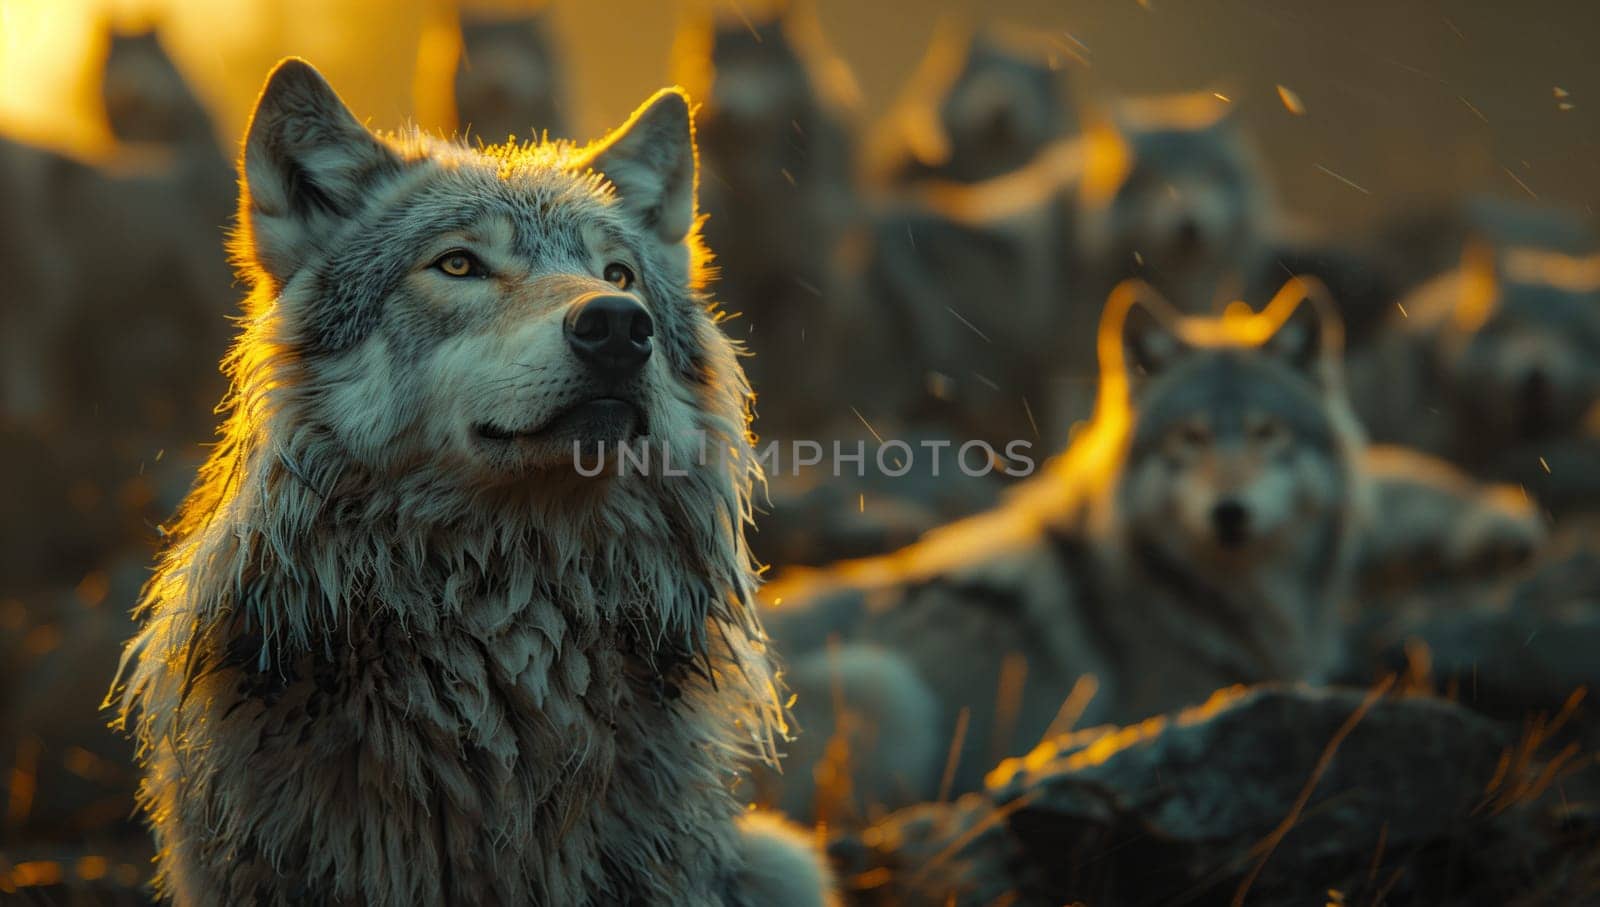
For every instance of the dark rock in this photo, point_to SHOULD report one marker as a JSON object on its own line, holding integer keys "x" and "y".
{"x": 1293, "y": 795}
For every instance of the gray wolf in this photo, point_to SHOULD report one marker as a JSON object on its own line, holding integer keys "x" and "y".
{"x": 398, "y": 652}
{"x": 113, "y": 319}
{"x": 1200, "y": 533}
{"x": 147, "y": 99}
{"x": 1172, "y": 195}
{"x": 509, "y": 81}
{"x": 972, "y": 294}
{"x": 118, "y": 257}
{"x": 999, "y": 283}
{"x": 1495, "y": 366}
{"x": 1436, "y": 530}
{"x": 980, "y": 105}
{"x": 778, "y": 145}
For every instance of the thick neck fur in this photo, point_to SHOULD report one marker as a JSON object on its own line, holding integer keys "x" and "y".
{"x": 584, "y": 647}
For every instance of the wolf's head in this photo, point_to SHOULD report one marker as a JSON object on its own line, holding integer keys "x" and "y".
{"x": 774, "y": 99}
{"x": 1173, "y": 194}
{"x": 146, "y": 96}
{"x": 1519, "y": 344}
{"x": 981, "y": 105}
{"x": 508, "y": 80}
{"x": 1238, "y": 438}
{"x": 434, "y": 317}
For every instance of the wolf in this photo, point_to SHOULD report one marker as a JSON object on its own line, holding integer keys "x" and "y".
{"x": 780, "y": 195}
{"x": 112, "y": 318}
{"x": 969, "y": 300}
{"x": 147, "y": 99}
{"x": 1435, "y": 530}
{"x": 1495, "y": 366}
{"x": 980, "y": 106}
{"x": 1001, "y": 281}
{"x": 398, "y": 651}
{"x": 1172, "y": 194}
{"x": 1200, "y": 533}
{"x": 509, "y": 79}
{"x": 89, "y": 243}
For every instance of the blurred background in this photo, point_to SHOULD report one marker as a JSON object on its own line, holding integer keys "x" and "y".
{"x": 1406, "y": 100}
{"x": 881, "y": 185}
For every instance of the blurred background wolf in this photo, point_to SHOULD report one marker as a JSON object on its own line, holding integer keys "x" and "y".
{"x": 917, "y": 212}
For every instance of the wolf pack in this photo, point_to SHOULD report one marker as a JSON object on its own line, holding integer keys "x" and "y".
{"x": 1221, "y": 445}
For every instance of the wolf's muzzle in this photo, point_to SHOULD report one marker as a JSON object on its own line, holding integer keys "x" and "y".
{"x": 611, "y": 334}
{"x": 1231, "y": 520}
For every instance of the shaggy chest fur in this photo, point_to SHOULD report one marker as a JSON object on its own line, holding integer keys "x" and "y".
{"x": 494, "y": 755}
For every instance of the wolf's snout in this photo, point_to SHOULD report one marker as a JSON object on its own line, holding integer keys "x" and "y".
{"x": 611, "y": 333}
{"x": 1187, "y": 233}
{"x": 1536, "y": 397}
{"x": 1231, "y": 521}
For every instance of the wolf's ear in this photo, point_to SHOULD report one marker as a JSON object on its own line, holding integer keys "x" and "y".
{"x": 308, "y": 164}
{"x": 1151, "y": 341}
{"x": 650, "y": 160}
{"x": 1311, "y": 336}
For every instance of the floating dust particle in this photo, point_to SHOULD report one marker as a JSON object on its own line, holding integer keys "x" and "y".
{"x": 1345, "y": 180}
{"x": 1291, "y": 101}
{"x": 861, "y": 503}
{"x": 1222, "y": 97}
{"x": 875, "y": 436}
{"x": 1518, "y": 180}
{"x": 1560, "y": 92}
{"x": 1402, "y": 308}
{"x": 970, "y": 326}
{"x": 1545, "y": 465}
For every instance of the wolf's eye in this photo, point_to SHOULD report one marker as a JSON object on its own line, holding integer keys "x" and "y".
{"x": 619, "y": 275}
{"x": 460, "y": 263}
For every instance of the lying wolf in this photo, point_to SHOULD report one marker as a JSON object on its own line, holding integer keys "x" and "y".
{"x": 1496, "y": 366}
{"x": 399, "y": 652}
{"x": 1199, "y": 534}
{"x": 980, "y": 106}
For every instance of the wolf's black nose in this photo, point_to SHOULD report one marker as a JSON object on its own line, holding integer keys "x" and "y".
{"x": 1188, "y": 233}
{"x": 611, "y": 333}
{"x": 1231, "y": 520}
